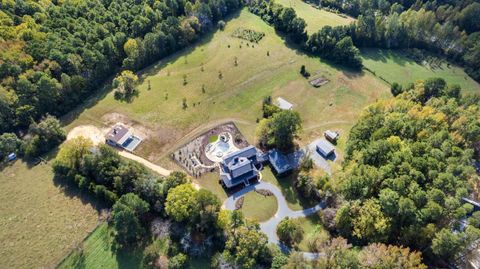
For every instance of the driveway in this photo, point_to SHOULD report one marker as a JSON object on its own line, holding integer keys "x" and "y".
{"x": 269, "y": 227}
{"x": 318, "y": 159}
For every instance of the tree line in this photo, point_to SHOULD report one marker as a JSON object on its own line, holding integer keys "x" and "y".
{"x": 55, "y": 53}
{"x": 329, "y": 43}
{"x": 449, "y": 28}
{"x": 408, "y": 163}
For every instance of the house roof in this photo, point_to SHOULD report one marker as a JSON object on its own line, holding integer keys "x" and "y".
{"x": 283, "y": 163}
{"x": 324, "y": 146}
{"x": 331, "y": 134}
{"x": 247, "y": 152}
{"x": 118, "y": 134}
{"x": 239, "y": 166}
{"x": 284, "y": 104}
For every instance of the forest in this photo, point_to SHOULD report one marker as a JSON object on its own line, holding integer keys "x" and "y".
{"x": 53, "y": 54}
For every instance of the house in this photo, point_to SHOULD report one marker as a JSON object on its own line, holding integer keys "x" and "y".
{"x": 331, "y": 136}
{"x": 120, "y": 136}
{"x": 282, "y": 164}
{"x": 240, "y": 167}
{"x": 283, "y": 104}
{"x": 324, "y": 147}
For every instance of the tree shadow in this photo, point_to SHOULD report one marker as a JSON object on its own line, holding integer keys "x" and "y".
{"x": 73, "y": 191}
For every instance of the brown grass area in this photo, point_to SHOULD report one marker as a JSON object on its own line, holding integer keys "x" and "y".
{"x": 39, "y": 222}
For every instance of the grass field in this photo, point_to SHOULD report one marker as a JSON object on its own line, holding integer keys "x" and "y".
{"x": 259, "y": 207}
{"x": 394, "y": 66}
{"x": 310, "y": 226}
{"x": 97, "y": 252}
{"x": 315, "y": 18}
{"x": 237, "y": 95}
{"x": 40, "y": 222}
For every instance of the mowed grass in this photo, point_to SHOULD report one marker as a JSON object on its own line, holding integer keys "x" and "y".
{"x": 315, "y": 18}
{"x": 238, "y": 94}
{"x": 394, "y": 66}
{"x": 39, "y": 222}
{"x": 285, "y": 184}
{"x": 311, "y": 227}
{"x": 259, "y": 207}
{"x": 97, "y": 252}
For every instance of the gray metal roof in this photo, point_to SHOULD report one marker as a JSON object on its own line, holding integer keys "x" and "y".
{"x": 324, "y": 147}
{"x": 118, "y": 134}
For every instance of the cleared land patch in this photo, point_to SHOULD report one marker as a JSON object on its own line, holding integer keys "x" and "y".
{"x": 40, "y": 221}
{"x": 268, "y": 68}
{"x": 314, "y": 17}
{"x": 395, "y": 66}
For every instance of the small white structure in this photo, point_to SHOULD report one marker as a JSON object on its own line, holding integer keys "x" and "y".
{"x": 121, "y": 136}
{"x": 324, "y": 147}
{"x": 331, "y": 136}
{"x": 283, "y": 104}
{"x": 12, "y": 157}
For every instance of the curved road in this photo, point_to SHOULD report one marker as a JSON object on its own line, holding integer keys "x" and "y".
{"x": 269, "y": 227}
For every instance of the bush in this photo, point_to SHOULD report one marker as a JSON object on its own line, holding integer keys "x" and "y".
{"x": 178, "y": 261}
{"x": 221, "y": 25}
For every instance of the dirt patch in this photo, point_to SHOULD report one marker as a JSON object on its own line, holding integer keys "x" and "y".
{"x": 94, "y": 133}
{"x": 239, "y": 203}
{"x": 155, "y": 141}
{"x": 191, "y": 156}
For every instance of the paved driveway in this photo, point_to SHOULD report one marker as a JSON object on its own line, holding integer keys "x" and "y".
{"x": 318, "y": 159}
{"x": 269, "y": 227}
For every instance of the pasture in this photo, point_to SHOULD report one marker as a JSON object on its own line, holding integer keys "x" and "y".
{"x": 40, "y": 222}
{"x": 395, "y": 66}
{"x": 314, "y": 17}
{"x": 231, "y": 91}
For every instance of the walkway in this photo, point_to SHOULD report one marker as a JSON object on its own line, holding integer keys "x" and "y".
{"x": 269, "y": 227}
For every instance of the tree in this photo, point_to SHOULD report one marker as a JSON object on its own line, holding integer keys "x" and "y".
{"x": 378, "y": 256}
{"x": 289, "y": 231}
{"x": 246, "y": 246}
{"x": 371, "y": 223}
{"x": 396, "y": 89}
{"x": 44, "y": 135}
{"x": 446, "y": 244}
{"x": 178, "y": 261}
{"x": 127, "y": 213}
{"x": 285, "y": 127}
{"x": 125, "y": 85}
{"x": 181, "y": 203}
{"x": 207, "y": 211}
{"x": 9, "y": 143}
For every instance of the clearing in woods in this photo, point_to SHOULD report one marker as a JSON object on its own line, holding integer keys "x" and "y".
{"x": 316, "y": 18}
{"x": 232, "y": 91}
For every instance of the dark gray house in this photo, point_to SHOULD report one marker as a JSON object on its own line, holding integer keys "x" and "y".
{"x": 241, "y": 166}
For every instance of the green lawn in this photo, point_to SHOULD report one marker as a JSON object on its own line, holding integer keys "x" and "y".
{"x": 394, "y": 66}
{"x": 294, "y": 200}
{"x": 315, "y": 18}
{"x": 97, "y": 252}
{"x": 259, "y": 207}
{"x": 311, "y": 226}
{"x": 237, "y": 96}
{"x": 40, "y": 221}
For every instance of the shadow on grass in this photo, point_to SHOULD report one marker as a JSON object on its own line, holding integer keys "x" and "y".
{"x": 287, "y": 186}
{"x": 73, "y": 191}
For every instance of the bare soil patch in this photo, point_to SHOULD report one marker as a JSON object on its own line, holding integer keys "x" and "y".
{"x": 188, "y": 155}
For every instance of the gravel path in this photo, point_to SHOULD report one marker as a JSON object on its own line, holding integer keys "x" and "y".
{"x": 269, "y": 227}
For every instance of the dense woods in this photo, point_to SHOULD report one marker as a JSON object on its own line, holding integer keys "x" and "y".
{"x": 408, "y": 164}
{"x": 330, "y": 43}
{"x": 54, "y": 53}
{"x": 449, "y": 28}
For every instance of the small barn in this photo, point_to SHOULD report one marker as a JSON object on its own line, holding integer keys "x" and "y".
{"x": 283, "y": 104}
{"x": 331, "y": 136}
{"x": 324, "y": 147}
